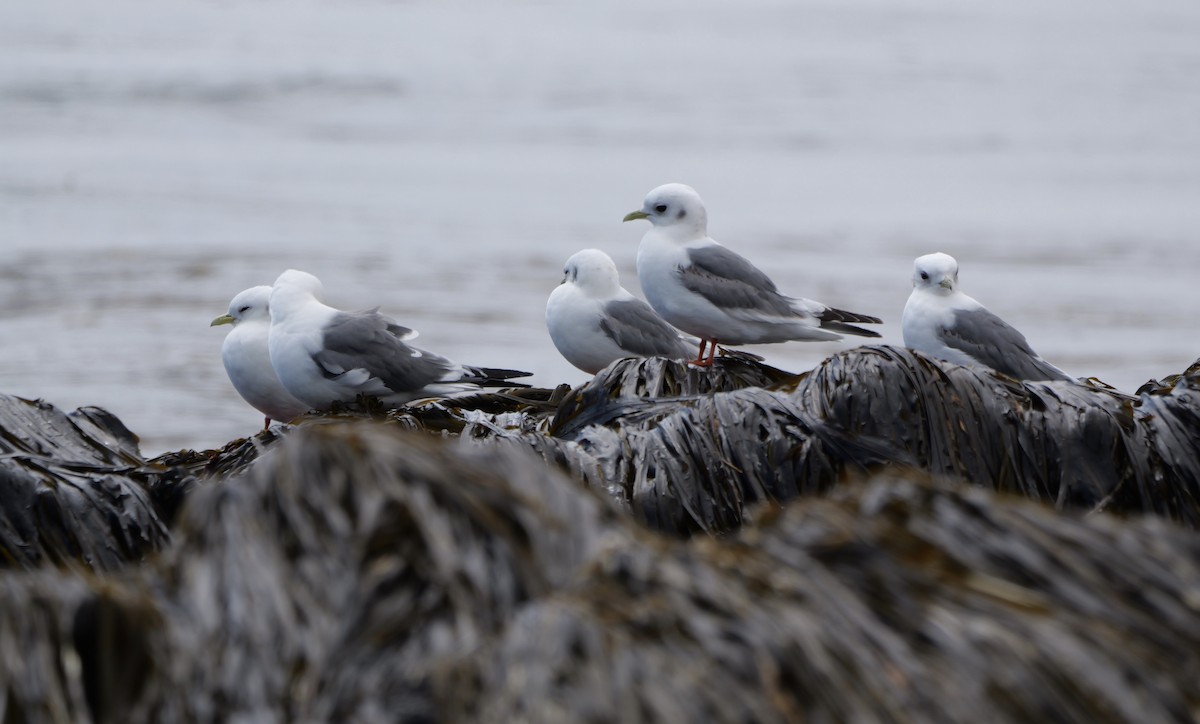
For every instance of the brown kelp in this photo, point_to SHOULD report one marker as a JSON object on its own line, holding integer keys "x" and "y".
{"x": 1081, "y": 446}
{"x": 694, "y": 463}
{"x": 902, "y": 599}
{"x": 687, "y": 449}
{"x": 74, "y": 489}
{"x": 360, "y": 572}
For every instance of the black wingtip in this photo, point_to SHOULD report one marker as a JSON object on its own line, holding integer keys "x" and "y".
{"x": 841, "y": 315}
{"x": 843, "y": 328}
{"x": 494, "y": 377}
{"x": 499, "y": 374}
{"x": 836, "y": 320}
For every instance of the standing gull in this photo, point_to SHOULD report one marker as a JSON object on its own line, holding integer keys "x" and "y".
{"x": 593, "y": 320}
{"x": 247, "y": 361}
{"x": 941, "y": 321}
{"x": 324, "y": 355}
{"x": 707, "y": 290}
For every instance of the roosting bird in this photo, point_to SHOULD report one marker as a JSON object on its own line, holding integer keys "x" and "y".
{"x": 594, "y": 321}
{"x": 324, "y": 355}
{"x": 707, "y": 290}
{"x": 941, "y": 321}
{"x": 247, "y": 360}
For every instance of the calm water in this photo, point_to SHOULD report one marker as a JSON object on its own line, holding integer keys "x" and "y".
{"x": 443, "y": 160}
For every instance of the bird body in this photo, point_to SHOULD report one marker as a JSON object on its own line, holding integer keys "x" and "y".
{"x": 708, "y": 290}
{"x": 247, "y": 359}
{"x": 593, "y": 320}
{"x": 324, "y": 355}
{"x": 941, "y": 321}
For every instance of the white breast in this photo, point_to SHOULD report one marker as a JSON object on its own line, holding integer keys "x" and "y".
{"x": 572, "y": 318}
{"x": 925, "y": 314}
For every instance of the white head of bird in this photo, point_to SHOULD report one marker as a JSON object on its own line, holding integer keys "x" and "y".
{"x": 675, "y": 210}
{"x": 936, "y": 273}
{"x": 292, "y": 289}
{"x": 248, "y": 305}
{"x": 593, "y": 272}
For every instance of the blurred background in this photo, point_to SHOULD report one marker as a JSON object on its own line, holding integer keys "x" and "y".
{"x": 443, "y": 160}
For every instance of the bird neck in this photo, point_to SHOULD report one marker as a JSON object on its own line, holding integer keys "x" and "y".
{"x": 600, "y": 288}
{"x": 682, "y": 233}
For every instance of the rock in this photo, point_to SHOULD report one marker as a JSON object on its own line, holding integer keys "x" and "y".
{"x": 74, "y": 489}
{"x": 695, "y": 462}
{"x": 686, "y": 450}
{"x": 899, "y": 599}
{"x": 362, "y": 572}
{"x": 353, "y": 558}
{"x": 1073, "y": 446}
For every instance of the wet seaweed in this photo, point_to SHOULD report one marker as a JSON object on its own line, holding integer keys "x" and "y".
{"x": 628, "y": 381}
{"x": 353, "y": 542}
{"x": 1074, "y": 446}
{"x": 687, "y": 449}
{"x": 72, "y": 489}
{"x": 901, "y": 599}
{"x": 36, "y": 610}
{"x": 363, "y": 572}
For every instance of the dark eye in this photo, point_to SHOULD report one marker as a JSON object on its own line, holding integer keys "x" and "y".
{"x": 661, "y": 208}
{"x": 925, "y": 275}
{"x": 244, "y": 309}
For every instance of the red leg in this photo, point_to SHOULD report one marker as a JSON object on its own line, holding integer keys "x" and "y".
{"x": 266, "y": 423}
{"x": 700, "y": 361}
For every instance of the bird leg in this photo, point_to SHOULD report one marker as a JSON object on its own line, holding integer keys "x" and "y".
{"x": 266, "y": 423}
{"x": 700, "y": 361}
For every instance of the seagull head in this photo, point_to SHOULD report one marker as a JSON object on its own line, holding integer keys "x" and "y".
{"x": 292, "y": 290}
{"x": 248, "y": 305}
{"x": 936, "y": 273}
{"x": 593, "y": 272}
{"x": 675, "y": 208}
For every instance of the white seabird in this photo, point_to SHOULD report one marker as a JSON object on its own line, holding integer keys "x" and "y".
{"x": 705, "y": 289}
{"x": 324, "y": 355}
{"x": 941, "y": 321}
{"x": 247, "y": 361}
{"x": 594, "y": 321}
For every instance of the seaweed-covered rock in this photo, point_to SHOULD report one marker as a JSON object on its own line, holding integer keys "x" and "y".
{"x": 695, "y": 464}
{"x": 350, "y": 561}
{"x": 1071, "y": 445}
{"x": 687, "y": 449}
{"x": 896, "y": 600}
{"x": 364, "y": 573}
{"x": 229, "y": 460}
{"x": 657, "y": 378}
{"x": 705, "y": 444}
{"x": 73, "y": 489}
{"x": 35, "y": 642}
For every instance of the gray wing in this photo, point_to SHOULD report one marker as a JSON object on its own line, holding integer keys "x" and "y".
{"x": 993, "y": 342}
{"x": 393, "y": 326}
{"x": 729, "y": 281}
{"x": 637, "y": 329}
{"x": 372, "y": 342}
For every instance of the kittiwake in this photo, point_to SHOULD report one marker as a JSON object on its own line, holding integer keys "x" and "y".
{"x": 707, "y": 290}
{"x": 593, "y": 320}
{"x": 940, "y": 321}
{"x": 324, "y": 355}
{"x": 247, "y": 361}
